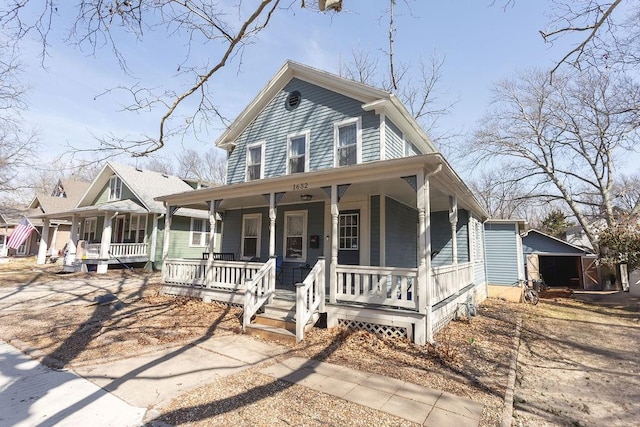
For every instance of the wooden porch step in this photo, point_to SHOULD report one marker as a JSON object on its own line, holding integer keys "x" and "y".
{"x": 272, "y": 333}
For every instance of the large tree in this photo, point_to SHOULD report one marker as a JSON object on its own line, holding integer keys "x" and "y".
{"x": 16, "y": 141}
{"x": 563, "y": 139}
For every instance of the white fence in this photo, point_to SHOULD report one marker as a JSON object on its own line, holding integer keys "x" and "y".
{"x": 385, "y": 286}
{"x": 184, "y": 272}
{"x": 227, "y": 275}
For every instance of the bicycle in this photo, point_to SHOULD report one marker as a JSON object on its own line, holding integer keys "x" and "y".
{"x": 532, "y": 290}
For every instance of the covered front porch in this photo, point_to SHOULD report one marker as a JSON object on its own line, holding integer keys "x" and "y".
{"x": 394, "y": 246}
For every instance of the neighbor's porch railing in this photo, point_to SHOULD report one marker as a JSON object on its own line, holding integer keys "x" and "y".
{"x": 116, "y": 250}
{"x": 310, "y": 296}
{"x": 449, "y": 279}
{"x": 259, "y": 290}
{"x": 385, "y": 286}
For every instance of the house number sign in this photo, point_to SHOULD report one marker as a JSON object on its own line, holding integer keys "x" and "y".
{"x": 301, "y": 186}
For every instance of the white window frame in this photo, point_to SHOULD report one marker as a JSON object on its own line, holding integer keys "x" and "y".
{"x": 257, "y": 216}
{"x": 307, "y": 137}
{"x": 409, "y": 148}
{"x": 336, "y": 130}
{"x": 117, "y": 188}
{"x": 92, "y": 225}
{"x": 303, "y": 257}
{"x": 134, "y": 228}
{"x": 260, "y": 144}
{"x": 341, "y": 239}
{"x": 205, "y": 231}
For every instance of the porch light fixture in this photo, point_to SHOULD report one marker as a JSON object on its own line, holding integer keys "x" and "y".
{"x": 306, "y": 197}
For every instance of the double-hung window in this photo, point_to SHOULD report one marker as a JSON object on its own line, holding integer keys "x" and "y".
{"x": 295, "y": 234}
{"x": 348, "y": 142}
{"x": 137, "y": 228}
{"x": 199, "y": 232}
{"x": 251, "y": 227}
{"x": 89, "y": 229}
{"x": 298, "y": 153}
{"x": 115, "y": 188}
{"x": 255, "y": 161}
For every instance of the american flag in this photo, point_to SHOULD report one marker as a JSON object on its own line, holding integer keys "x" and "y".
{"x": 20, "y": 233}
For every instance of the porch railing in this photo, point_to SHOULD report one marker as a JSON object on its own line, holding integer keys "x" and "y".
{"x": 310, "y": 296}
{"x": 258, "y": 290}
{"x": 184, "y": 272}
{"x": 116, "y": 250}
{"x": 449, "y": 279}
{"x": 385, "y": 286}
{"x": 227, "y": 275}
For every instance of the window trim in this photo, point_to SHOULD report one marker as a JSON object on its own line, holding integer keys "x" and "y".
{"x": 204, "y": 234}
{"x": 358, "y": 235}
{"x": 111, "y": 197}
{"x": 307, "y": 138}
{"x": 336, "y": 130}
{"x": 259, "y": 235}
{"x": 305, "y": 224}
{"x": 260, "y": 144}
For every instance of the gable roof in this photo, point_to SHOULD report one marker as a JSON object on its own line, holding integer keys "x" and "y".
{"x": 553, "y": 244}
{"x": 11, "y": 216}
{"x": 373, "y": 99}
{"x": 52, "y": 204}
{"x": 144, "y": 184}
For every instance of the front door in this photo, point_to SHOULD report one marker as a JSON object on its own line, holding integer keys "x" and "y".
{"x": 349, "y": 238}
{"x": 119, "y": 230}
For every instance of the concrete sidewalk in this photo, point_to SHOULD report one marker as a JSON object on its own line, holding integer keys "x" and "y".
{"x": 33, "y": 395}
{"x": 406, "y": 400}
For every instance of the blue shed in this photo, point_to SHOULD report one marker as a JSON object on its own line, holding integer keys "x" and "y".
{"x": 504, "y": 259}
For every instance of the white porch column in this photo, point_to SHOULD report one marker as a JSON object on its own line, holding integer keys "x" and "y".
{"x": 453, "y": 220}
{"x": 42, "y": 249}
{"x": 105, "y": 243}
{"x": 54, "y": 238}
{"x": 70, "y": 256}
{"x": 424, "y": 259}
{"x": 165, "y": 238}
{"x": 272, "y": 225}
{"x": 154, "y": 241}
{"x": 334, "y": 244}
{"x": 212, "y": 227}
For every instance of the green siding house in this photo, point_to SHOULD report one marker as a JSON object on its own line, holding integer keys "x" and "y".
{"x": 117, "y": 221}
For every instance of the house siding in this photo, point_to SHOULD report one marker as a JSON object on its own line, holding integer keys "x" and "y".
{"x": 501, "y": 253}
{"x": 462, "y": 236}
{"x": 375, "y": 231}
{"x": 394, "y": 144}
{"x": 103, "y": 197}
{"x": 401, "y": 235}
{"x": 441, "y": 247}
{"x": 318, "y": 111}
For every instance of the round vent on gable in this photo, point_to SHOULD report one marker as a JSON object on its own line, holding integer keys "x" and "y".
{"x": 293, "y": 100}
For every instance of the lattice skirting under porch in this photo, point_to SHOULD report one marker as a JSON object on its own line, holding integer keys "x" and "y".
{"x": 380, "y": 330}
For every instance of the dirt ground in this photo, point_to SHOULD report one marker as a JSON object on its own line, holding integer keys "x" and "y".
{"x": 54, "y": 317}
{"x": 579, "y": 362}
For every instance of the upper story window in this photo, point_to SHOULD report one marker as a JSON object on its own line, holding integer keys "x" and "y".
{"x": 298, "y": 153}
{"x": 199, "y": 232}
{"x": 295, "y": 234}
{"x": 251, "y": 228}
{"x": 348, "y": 142}
{"x": 115, "y": 188}
{"x": 409, "y": 148}
{"x": 255, "y": 161}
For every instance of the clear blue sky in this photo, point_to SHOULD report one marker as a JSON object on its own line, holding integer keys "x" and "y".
{"x": 482, "y": 44}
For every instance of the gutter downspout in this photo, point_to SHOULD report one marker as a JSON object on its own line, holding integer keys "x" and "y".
{"x": 427, "y": 259}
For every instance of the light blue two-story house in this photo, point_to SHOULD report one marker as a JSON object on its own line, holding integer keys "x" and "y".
{"x": 333, "y": 190}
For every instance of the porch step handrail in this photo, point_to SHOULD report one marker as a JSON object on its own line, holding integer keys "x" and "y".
{"x": 258, "y": 290}
{"x": 310, "y": 295}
